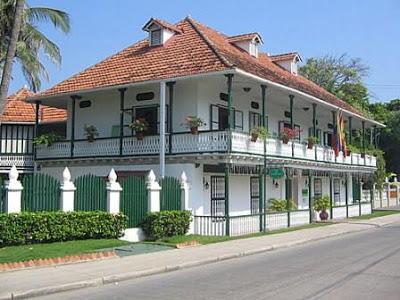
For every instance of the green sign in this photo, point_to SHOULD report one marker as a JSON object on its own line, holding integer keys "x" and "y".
{"x": 276, "y": 173}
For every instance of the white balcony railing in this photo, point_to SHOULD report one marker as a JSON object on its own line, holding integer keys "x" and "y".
{"x": 18, "y": 160}
{"x": 204, "y": 142}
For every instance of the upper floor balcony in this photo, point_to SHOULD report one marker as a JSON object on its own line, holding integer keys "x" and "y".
{"x": 205, "y": 142}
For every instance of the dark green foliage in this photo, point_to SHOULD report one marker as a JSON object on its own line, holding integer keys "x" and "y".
{"x": 281, "y": 205}
{"x": 166, "y": 224}
{"x": 45, "y": 227}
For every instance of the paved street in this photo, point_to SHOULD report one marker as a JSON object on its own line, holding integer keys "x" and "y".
{"x": 355, "y": 266}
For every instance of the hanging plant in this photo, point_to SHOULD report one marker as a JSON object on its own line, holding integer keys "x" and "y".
{"x": 194, "y": 123}
{"x": 46, "y": 139}
{"x": 289, "y": 134}
{"x": 258, "y": 132}
{"x": 140, "y": 125}
{"x": 91, "y": 132}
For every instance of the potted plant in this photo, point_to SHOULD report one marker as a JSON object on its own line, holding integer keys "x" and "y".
{"x": 311, "y": 141}
{"x": 257, "y": 132}
{"x": 91, "y": 132}
{"x": 140, "y": 126}
{"x": 46, "y": 139}
{"x": 194, "y": 123}
{"x": 321, "y": 205}
{"x": 288, "y": 134}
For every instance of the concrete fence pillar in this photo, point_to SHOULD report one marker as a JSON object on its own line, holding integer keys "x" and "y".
{"x": 13, "y": 189}
{"x": 114, "y": 190}
{"x": 153, "y": 191}
{"x": 67, "y": 192}
{"x": 185, "y": 192}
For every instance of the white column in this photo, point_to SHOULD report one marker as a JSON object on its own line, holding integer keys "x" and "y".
{"x": 162, "y": 128}
{"x": 113, "y": 193}
{"x": 153, "y": 189}
{"x": 185, "y": 192}
{"x": 13, "y": 189}
{"x": 67, "y": 192}
{"x": 387, "y": 190}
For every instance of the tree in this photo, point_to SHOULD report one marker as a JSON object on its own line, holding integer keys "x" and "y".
{"x": 341, "y": 76}
{"x": 31, "y": 42}
{"x": 11, "y": 50}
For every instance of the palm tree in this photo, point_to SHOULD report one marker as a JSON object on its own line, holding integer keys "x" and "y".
{"x": 30, "y": 43}
{"x": 11, "y": 50}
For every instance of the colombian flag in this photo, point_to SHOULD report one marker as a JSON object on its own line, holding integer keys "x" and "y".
{"x": 339, "y": 135}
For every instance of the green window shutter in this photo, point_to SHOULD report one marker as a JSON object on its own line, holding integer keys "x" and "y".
{"x": 115, "y": 130}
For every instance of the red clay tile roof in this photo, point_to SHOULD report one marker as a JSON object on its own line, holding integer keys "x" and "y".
{"x": 197, "y": 50}
{"x": 283, "y": 56}
{"x": 244, "y": 37}
{"x": 19, "y": 111}
{"x": 163, "y": 24}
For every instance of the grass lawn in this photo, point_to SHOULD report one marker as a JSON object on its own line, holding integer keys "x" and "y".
{"x": 204, "y": 240}
{"x": 377, "y": 213}
{"x": 59, "y": 249}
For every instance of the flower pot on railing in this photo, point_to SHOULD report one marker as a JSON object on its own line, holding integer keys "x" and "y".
{"x": 140, "y": 135}
{"x": 254, "y": 137}
{"x": 194, "y": 130}
{"x": 257, "y": 132}
{"x": 362, "y": 155}
{"x": 285, "y": 140}
{"x": 310, "y": 145}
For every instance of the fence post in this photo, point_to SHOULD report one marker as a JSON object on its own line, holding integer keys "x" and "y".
{"x": 67, "y": 192}
{"x": 113, "y": 193}
{"x": 13, "y": 189}
{"x": 373, "y": 194}
{"x": 153, "y": 189}
{"x": 185, "y": 192}
{"x": 387, "y": 184}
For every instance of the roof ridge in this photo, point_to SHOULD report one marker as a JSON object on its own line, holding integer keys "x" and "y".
{"x": 209, "y": 43}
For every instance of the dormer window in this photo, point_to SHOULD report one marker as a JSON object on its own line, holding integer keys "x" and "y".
{"x": 288, "y": 61}
{"x": 155, "y": 37}
{"x": 249, "y": 42}
{"x": 160, "y": 31}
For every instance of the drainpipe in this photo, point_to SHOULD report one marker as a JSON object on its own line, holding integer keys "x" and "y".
{"x": 170, "y": 113}
{"x": 264, "y": 173}
{"x": 162, "y": 128}
{"x": 37, "y": 109}
{"x": 291, "y": 119}
{"x": 121, "y": 118}
{"x": 74, "y": 98}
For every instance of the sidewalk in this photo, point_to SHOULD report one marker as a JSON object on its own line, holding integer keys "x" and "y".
{"x": 40, "y": 281}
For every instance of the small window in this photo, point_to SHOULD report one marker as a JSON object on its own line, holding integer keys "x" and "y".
{"x": 223, "y": 97}
{"x": 336, "y": 191}
{"x": 155, "y": 37}
{"x": 317, "y": 188}
{"x": 217, "y": 195}
{"x": 255, "y": 105}
{"x": 254, "y": 194}
{"x": 255, "y": 120}
{"x": 145, "y": 96}
{"x": 85, "y": 103}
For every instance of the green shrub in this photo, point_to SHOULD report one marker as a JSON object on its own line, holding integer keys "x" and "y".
{"x": 166, "y": 224}
{"x": 281, "y": 205}
{"x": 44, "y": 227}
{"x": 322, "y": 203}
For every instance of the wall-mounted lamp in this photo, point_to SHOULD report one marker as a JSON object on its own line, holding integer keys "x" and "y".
{"x": 275, "y": 183}
{"x": 247, "y": 89}
{"x": 306, "y": 108}
{"x": 206, "y": 185}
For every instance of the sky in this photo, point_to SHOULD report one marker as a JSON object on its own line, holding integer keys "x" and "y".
{"x": 366, "y": 29}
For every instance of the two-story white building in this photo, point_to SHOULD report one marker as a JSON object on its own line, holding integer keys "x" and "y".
{"x": 189, "y": 69}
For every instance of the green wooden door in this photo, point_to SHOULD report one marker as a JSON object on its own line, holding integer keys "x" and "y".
{"x": 91, "y": 193}
{"x": 170, "y": 196}
{"x": 356, "y": 191}
{"x": 134, "y": 199}
{"x": 41, "y": 193}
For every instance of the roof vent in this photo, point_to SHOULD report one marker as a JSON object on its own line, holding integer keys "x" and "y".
{"x": 249, "y": 42}
{"x": 159, "y": 31}
{"x": 288, "y": 61}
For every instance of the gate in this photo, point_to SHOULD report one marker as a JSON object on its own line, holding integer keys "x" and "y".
{"x": 170, "y": 196}
{"x": 41, "y": 193}
{"x": 134, "y": 199}
{"x": 91, "y": 193}
{"x": 356, "y": 190}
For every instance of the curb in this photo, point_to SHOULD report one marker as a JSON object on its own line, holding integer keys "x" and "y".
{"x": 166, "y": 269}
